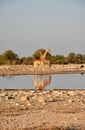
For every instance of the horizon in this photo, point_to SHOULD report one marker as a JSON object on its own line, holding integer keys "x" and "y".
{"x": 42, "y": 48}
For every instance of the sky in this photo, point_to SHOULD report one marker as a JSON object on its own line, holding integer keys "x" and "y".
{"x": 29, "y": 25}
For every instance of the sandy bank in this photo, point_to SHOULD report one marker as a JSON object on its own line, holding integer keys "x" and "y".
{"x": 29, "y": 69}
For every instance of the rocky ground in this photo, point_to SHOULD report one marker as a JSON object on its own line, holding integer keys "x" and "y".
{"x": 42, "y": 110}
{"x": 29, "y": 69}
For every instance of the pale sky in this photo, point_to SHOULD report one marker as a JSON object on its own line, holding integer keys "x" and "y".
{"x": 28, "y": 25}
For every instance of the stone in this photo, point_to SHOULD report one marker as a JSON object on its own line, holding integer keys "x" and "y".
{"x": 28, "y": 103}
{"x": 41, "y": 99}
{"x": 71, "y": 93}
{"x": 23, "y": 97}
{"x": 50, "y": 100}
{"x": 17, "y": 104}
{"x": 10, "y": 97}
{"x": 70, "y": 101}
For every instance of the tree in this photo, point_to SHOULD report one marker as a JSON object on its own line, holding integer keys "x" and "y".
{"x": 58, "y": 59}
{"x": 71, "y": 58}
{"x": 27, "y": 61}
{"x": 79, "y": 58}
{"x": 53, "y": 59}
{"x": 36, "y": 55}
{"x": 1, "y": 60}
{"x": 9, "y": 56}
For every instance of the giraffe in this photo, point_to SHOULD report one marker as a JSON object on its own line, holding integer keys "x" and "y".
{"x": 42, "y": 59}
{"x": 43, "y": 56}
{"x": 41, "y": 62}
{"x": 38, "y": 62}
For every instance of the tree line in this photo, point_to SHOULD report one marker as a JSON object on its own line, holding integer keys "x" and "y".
{"x": 11, "y": 58}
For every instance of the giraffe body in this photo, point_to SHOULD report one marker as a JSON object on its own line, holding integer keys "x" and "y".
{"x": 42, "y": 63}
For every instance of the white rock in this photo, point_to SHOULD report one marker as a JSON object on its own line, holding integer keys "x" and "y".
{"x": 41, "y": 99}
{"x": 23, "y": 97}
{"x": 71, "y": 93}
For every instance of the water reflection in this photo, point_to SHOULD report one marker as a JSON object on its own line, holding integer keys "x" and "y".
{"x": 41, "y": 81}
{"x": 60, "y": 81}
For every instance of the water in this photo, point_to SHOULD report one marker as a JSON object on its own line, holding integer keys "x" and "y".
{"x": 58, "y": 81}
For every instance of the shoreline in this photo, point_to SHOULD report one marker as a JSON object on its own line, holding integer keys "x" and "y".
{"x": 7, "y": 70}
{"x": 28, "y": 90}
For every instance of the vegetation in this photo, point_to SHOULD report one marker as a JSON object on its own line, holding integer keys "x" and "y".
{"x": 11, "y": 58}
{"x": 38, "y": 53}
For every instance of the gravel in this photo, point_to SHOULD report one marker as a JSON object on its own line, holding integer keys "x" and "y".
{"x": 42, "y": 110}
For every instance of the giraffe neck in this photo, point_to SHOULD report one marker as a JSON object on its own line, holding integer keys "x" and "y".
{"x": 44, "y": 55}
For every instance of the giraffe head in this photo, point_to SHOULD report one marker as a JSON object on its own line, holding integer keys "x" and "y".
{"x": 48, "y": 50}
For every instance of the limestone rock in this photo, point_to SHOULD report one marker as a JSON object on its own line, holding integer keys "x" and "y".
{"x": 41, "y": 99}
